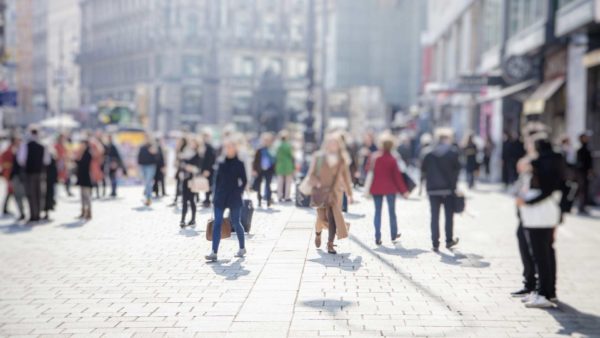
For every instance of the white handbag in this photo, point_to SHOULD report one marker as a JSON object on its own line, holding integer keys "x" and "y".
{"x": 305, "y": 186}
{"x": 199, "y": 184}
{"x": 544, "y": 214}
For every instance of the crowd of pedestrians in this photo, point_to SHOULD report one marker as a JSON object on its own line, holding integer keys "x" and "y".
{"x": 545, "y": 182}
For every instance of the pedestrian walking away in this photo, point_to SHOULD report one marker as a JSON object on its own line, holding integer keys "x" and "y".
{"x": 440, "y": 170}
{"x": 230, "y": 182}
{"x": 385, "y": 181}
{"x": 191, "y": 166}
{"x": 84, "y": 179}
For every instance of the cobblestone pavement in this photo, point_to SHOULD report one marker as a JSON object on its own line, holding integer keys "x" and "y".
{"x": 132, "y": 272}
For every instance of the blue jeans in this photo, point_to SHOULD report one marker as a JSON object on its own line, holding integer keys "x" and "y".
{"x": 391, "y": 202}
{"x": 234, "y": 218}
{"x": 148, "y": 172}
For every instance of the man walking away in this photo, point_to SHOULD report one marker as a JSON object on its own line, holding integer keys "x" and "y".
{"x": 440, "y": 168}
{"x": 115, "y": 162}
{"x": 147, "y": 162}
{"x": 584, "y": 171}
{"x": 33, "y": 157}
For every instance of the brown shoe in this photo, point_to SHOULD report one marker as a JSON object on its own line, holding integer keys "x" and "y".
{"x": 88, "y": 215}
{"x": 318, "y": 239}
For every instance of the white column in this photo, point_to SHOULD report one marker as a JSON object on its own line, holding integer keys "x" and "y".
{"x": 576, "y": 91}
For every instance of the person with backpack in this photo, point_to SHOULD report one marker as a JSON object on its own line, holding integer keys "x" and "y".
{"x": 440, "y": 169}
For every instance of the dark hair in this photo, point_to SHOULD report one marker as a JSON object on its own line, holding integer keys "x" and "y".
{"x": 543, "y": 145}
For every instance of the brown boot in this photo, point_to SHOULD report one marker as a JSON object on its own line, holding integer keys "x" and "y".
{"x": 318, "y": 239}
{"x": 82, "y": 216}
{"x": 88, "y": 214}
{"x": 331, "y": 248}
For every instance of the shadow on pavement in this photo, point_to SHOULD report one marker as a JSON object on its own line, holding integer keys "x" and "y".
{"x": 188, "y": 232}
{"x": 15, "y": 228}
{"x": 142, "y": 208}
{"x": 329, "y": 305}
{"x": 73, "y": 225}
{"x": 463, "y": 260}
{"x": 340, "y": 261}
{"x": 575, "y": 322}
{"x": 267, "y": 211}
{"x": 400, "y": 251}
{"x": 231, "y": 271}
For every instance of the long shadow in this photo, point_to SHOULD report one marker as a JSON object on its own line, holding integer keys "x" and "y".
{"x": 231, "y": 271}
{"x": 267, "y": 210}
{"x": 15, "y": 228}
{"x": 574, "y": 321}
{"x": 74, "y": 225}
{"x": 341, "y": 261}
{"x": 188, "y": 232}
{"x": 142, "y": 208}
{"x": 329, "y": 305}
{"x": 409, "y": 279}
{"x": 400, "y": 251}
{"x": 465, "y": 260}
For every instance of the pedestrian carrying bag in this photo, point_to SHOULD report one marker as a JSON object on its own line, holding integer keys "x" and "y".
{"x": 246, "y": 214}
{"x": 458, "y": 201}
{"x": 322, "y": 196}
{"x": 544, "y": 214}
{"x": 199, "y": 184}
{"x": 409, "y": 182}
{"x": 225, "y": 229}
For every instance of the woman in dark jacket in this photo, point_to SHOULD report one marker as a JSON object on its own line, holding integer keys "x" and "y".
{"x": 191, "y": 166}
{"x": 387, "y": 182}
{"x": 84, "y": 180}
{"x": 229, "y": 185}
{"x": 548, "y": 177}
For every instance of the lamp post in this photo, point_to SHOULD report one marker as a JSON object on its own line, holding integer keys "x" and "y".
{"x": 309, "y": 131}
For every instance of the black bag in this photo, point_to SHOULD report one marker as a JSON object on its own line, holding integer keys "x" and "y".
{"x": 246, "y": 215}
{"x": 302, "y": 201}
{"x": 410, "y": 184}
{"x": 459, "y": 203}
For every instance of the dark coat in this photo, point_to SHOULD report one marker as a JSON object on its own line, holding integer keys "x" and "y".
{"x": 387, "y": 177}
{"x": 196, "y": 161}
{"x": 160, "y": 164}
{"x": 84, "y": 177}
{"x": 584, "y": 159}
{"x": 470, "y": 153}
{"x": 229, "y": 183}
{"x": 549, "y": 172}
{"x": 145, "y": 157}
{"x": 113, "y": 157}
{"x": 441, "y": 167}
{"x": 256, "y": 164}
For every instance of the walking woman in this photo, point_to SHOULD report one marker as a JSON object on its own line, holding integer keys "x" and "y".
{"x": 84, "y": 179}
{"x": 191, "y": 165}
{"x": 230, "y": 182}
{"x": 179, "y": 149}
{"x": 387, "y": 182}
{"x": 330, "y": 178}
{"x": 284, "y": 167}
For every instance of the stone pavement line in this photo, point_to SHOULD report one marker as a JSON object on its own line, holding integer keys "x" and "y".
{"x": 269, "y": 304}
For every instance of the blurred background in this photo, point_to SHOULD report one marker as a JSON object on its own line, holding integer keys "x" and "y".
{"x": 481, "y": 66}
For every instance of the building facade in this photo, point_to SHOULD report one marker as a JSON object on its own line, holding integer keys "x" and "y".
{"x": 188, "y": 62}
{"x": 494, "y": 65}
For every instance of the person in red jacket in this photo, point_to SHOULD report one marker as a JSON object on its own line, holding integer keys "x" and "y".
{"x": 387, "y": 182}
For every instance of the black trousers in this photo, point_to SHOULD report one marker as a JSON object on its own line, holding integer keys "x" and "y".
{"x": 584, "y": 192}
{"x": 435, "y": 203}
{"x": 159, "y": 185}
{"x": 267, "y": 176}
{"x": 33, "y": 191}
{"x": 188, "y": 198}
{"x": 529, "y": 280}
{"x": 542, "y": 247}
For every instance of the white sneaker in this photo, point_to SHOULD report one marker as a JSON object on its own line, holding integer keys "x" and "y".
{"x": 529, "y": 297}
{"x": 212, "y": 257}
{"x": 241, "y": 253}
{"x": 539, "y": 302}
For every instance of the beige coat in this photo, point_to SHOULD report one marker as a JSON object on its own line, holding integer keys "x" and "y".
{"x": 323, "y": 174}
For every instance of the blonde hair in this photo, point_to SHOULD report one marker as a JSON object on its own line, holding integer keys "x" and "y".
{"x": 387, "y": 142}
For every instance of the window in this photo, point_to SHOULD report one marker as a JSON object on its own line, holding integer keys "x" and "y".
{"x": 192, "y": 65}
{"x": 191, "y": 101}
{"x": 244, "y": 66}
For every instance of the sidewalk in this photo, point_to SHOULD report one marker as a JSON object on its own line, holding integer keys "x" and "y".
{"x": 131, "y": 271}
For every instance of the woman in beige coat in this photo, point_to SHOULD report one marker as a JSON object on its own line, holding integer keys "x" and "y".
{"x": 329, "y": 173}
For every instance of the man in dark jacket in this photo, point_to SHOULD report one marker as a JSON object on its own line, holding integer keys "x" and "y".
{"x": 263, "y": 169}
{"x": 440, "y": 168}
{"x": 584, "y": 171}
{"x": 147, "y": 160}
{"x": 34, "y": 158}
{"x": 115, "y": 162}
